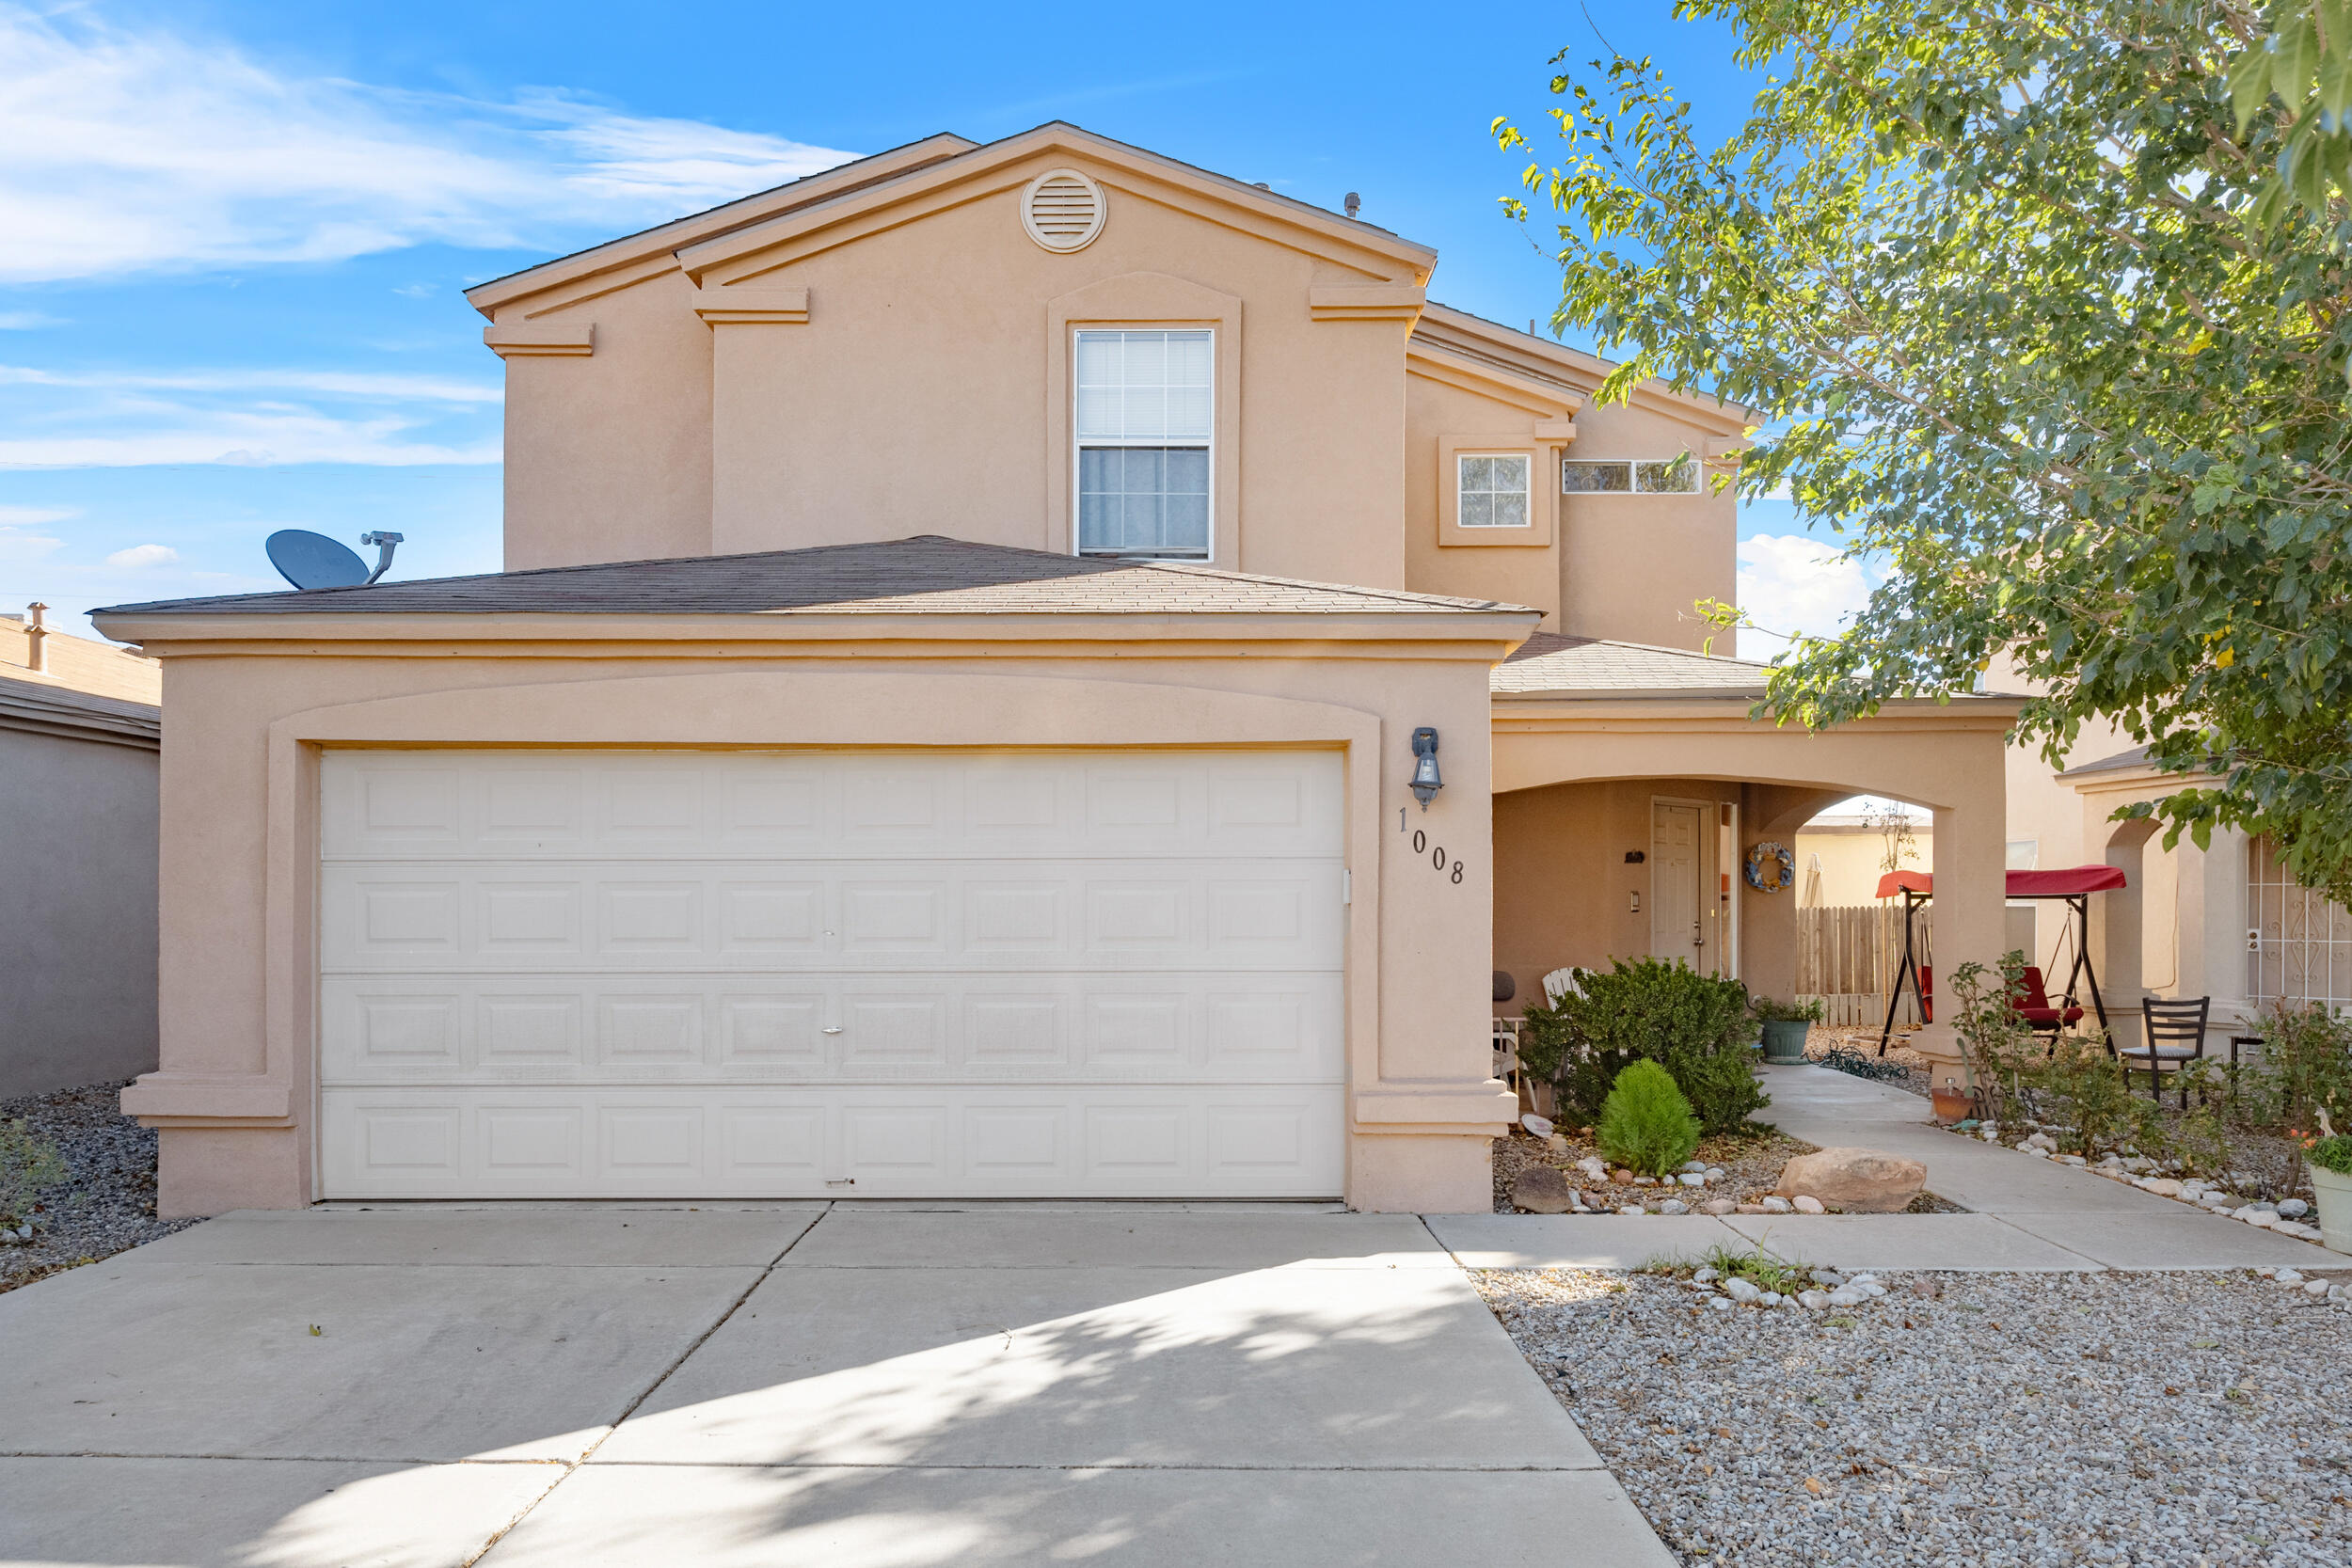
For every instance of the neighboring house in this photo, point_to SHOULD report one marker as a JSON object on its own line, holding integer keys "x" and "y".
{"x": 2224, "y": 922}
{"x": 947, "y": 723}
{"x": 80, "y": 724}
{"x": 1841, "y": 856}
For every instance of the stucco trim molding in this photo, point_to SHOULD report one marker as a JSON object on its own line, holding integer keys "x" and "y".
{"x": 168, "y": 1099}
{"x": 1488, "y": 379}
{"x": 541, "y": 340}
{"x": 751, "y": 305}
{"x": 1365, "y": 301}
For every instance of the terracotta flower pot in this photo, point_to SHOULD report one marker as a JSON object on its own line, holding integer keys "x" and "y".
{"x": 1951, "y": 1101}
{"x": 2334, "y": 1192}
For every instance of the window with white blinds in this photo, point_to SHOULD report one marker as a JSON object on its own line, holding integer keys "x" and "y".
{"x": 1143, "y": 421}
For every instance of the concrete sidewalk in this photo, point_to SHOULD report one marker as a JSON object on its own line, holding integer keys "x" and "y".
{"x": 782, "y": 1384}
{"x": 2028, "y": 1214}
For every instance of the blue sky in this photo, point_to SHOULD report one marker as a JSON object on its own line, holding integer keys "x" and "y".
{"x": 234, "y": 236}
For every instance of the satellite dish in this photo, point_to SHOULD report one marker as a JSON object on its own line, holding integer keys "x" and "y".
{"x": 309, "y": 560}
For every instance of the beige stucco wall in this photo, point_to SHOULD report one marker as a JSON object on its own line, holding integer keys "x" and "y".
{"x": 77, "y": 910}
{"x": 235, "y": 1090}
{"x": 919, "y": 397}
{"x": 1632, "y": 566}
{"x": 607, "y": 455}
{"x": 1528, "y": 573}
{"x": 1564, "y": 894}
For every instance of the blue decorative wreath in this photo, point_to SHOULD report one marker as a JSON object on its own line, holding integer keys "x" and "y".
{"x": 1772, "y": 867}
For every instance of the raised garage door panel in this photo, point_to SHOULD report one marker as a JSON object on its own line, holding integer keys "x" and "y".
{"x": 772, "y": 974}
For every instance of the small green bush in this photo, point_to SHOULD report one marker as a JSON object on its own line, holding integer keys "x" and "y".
{"x": 1696, "y": 1026}
{"x": 2305, "y": 1067}
{"x": 26, "y": 1165}
{"x": 1645, "y": 1123}
{"x": 1791, "y": 1011}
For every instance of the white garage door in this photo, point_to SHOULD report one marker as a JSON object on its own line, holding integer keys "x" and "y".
{"x": 778, "y": 974}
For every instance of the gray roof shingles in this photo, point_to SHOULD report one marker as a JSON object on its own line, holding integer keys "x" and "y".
{"x": 43, "y": 708}
{"x": 926, "y": 574}
{"x": 1547, "y": 663}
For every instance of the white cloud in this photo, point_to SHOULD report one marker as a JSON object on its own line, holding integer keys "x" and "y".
{"x": 145, "y": 555}
{"x": 33, "y": 517}
{"x": 360, "y": 384}
{"x": 28, "y": 320}
{"x": 248, "y": 439}
{"x": 22, "y": 546}
{"x": 149, "y": 150}
{"x": 252, "y": 417}
{"x": 1790, "y": 583}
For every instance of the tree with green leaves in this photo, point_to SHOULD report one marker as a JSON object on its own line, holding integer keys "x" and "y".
{"x": 2045, "y": 308}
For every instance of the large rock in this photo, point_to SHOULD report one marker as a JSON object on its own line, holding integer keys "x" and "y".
{"x": 1860, "y": 1180}
{"x": 1542, "y": 1189}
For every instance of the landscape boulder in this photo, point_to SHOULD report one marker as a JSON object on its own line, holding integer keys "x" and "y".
{"x": 1859, "y": 1181}
{"x": 1542, "y": 1189}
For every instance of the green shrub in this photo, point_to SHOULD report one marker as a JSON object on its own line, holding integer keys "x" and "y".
{"x": 2305, "y": 1067}
{"x": 2087, "y": 1092}
{"x": 1694, "y": 1026}
{"x": 1792, "y": 1011}
{"x": 2333, "y": 1153}
{"x": 26, "y": 1165}
{"x": 1645, "y": 1123}
{"x": 2199, "y": 1139}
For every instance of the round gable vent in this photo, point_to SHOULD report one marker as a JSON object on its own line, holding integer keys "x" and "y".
{"x": 1062, "y": 209}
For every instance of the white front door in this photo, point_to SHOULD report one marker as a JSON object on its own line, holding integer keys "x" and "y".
{"x": 1677, "y": 928}
{"x": 731, "y": 973}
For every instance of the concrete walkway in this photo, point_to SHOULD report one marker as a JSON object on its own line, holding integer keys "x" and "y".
{"x": 2026, "y": 1214}
{"x": 853, "y": 1387}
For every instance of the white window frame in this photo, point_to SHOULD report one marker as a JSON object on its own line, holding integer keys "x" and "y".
{"x": 1079, "y": 445}
{"x": 1631, "y": 468}
{"x": 1527, "y": 462}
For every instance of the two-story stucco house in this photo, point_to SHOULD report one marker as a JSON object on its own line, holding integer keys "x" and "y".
{"x": 973, "y": 622}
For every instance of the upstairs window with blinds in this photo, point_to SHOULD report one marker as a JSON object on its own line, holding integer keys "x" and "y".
{"x": 1144, "y": 419}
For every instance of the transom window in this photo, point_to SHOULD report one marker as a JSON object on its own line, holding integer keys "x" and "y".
{"x": 1492, "y": 490}
{"x": 1673, "y": 476}
{"x": 1144, "y": 422}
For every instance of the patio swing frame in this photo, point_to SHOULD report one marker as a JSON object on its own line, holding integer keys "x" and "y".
{"x": 1919, "y": 890}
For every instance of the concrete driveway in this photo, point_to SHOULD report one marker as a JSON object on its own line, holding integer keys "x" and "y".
{"x": 847, "y": 1386}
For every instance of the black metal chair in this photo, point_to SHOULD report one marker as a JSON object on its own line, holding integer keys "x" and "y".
{"x": 2175, "y": 1034}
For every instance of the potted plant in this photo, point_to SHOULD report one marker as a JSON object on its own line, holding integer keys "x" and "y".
{"x": 2330, "y": 1157}
{"x": 1786, "y": 1025}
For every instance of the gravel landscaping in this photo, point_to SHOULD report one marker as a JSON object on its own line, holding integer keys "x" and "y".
{"x": 107, "y": 1201}
{"x": 1738, "y": 1176}
{"x": 2156, "y": 1419}
{"x": 1743, "y": 1170}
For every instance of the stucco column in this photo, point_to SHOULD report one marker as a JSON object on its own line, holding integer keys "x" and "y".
{"x": 1971, "y": 887}
{"x": 2118, "y": 932}
{"x": 2221, "y": 917}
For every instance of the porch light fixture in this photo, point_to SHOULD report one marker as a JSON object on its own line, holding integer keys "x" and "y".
{"x": 1425, "y": 781}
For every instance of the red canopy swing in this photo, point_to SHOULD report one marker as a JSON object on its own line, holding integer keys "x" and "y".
{"x": 2075, "y": 884}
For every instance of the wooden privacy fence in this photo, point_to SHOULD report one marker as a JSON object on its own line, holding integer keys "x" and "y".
{"x": 1847, "y": 956}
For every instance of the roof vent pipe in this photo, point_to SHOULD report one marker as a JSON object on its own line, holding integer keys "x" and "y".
{"x": 1354, "y": 202}
{"x": 35, "y": 638}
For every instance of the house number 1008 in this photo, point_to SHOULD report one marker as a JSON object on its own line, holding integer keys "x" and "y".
{"x": 1435, "y": 853}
